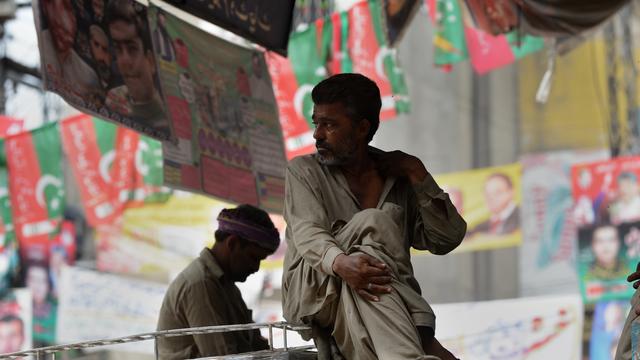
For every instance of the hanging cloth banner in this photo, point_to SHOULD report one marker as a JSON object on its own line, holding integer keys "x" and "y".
{"x": 114, "y": 167}
{"x": 36, "y": 187}
{"x": 8, "y": 243}
{"x": 457, "y": 39}
{"x": 265, "y": 23}
{"x": 223, "y": 108}
{"x": 99, "y": 58}
{"x": 89, "y": 146}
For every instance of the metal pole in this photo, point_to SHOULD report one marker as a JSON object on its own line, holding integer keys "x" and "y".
{"x": 481, "y": 128}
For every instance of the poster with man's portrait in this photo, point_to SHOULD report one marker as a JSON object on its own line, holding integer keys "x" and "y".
{"x": 15, "y": 321}
{"x": 489, "y": 200}
{"x": 607, "y": 254}
{"x": 607, "y": 191}
{"x": 608, "y": 321}
{"x": 97, "y": 55}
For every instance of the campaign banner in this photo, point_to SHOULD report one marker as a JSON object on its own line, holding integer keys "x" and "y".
{"x": 516, "y": 329}
{"x": 607, "y": 191}
{"x": 114, "y": 167}
{"x": 549, "y": 230}
{"x": 36, "y": 188}
{"x": 608, "y": 322}
{"x": 15, "y": 321}
{"x": 489, "y": 200}
{"x": 607, "y": 254}
{"x": 89, "y": 146}
{"x": 98, "y": 57}
{"x": 42, "y": 278}
{"x": 267, "y": 24}
{"x": 96, "y": 305}
{"x": 457, "y": 38}
{"x": 223, "y": 109}
{"x": 9, "y": 258}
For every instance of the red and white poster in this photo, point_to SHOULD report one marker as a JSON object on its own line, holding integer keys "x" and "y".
{"x": 607, "y": 191}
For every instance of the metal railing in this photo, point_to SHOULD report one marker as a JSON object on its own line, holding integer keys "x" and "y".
{"x": 41, "y": 353}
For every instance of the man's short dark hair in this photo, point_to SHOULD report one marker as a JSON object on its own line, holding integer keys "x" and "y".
{"x": 357, "y": 93}
{"x": 125, "y": 11}
{"x": 251, "y": 214}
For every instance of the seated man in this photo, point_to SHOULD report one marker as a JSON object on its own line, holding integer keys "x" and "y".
{"x": 352, "y": 213}
{"x": 204, "y": 294}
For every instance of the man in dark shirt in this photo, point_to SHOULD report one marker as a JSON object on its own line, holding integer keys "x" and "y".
{"x": 205, "y": 294}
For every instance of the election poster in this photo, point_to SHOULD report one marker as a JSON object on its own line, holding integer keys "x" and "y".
{"x": 9, "y": 258}
{"x": 516, "y": 329}
{"x": 607, "y": 191}
{"x": 15, "y": 321}
{"x": 608, "y": 321}
{"x": 607, "y": 254}
{"x": 549, "y": 230}
{"x": 221, "y": 103}
{"x": 489, "y": 200}
{"x": 96, "y": 305}
{"x": 98, "y": 56}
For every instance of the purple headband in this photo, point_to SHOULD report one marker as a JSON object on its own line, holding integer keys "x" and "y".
{"x": 232, "y": 224}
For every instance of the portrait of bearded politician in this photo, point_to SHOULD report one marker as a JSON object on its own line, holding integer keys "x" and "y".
{"x": 499, "y": 196}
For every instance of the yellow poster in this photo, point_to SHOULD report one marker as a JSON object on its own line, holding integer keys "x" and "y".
{"x": 489, "y": 200}
{"x": 157, "y": 241}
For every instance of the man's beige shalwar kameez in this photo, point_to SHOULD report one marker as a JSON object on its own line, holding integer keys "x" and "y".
{"x": 325, "y": 220}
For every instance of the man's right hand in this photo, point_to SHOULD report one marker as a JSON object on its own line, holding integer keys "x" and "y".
{"x": 365, "y": 274}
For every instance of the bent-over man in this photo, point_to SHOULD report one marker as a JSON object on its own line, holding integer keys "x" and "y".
{"x": 353, "y": 212}
{"x": 205, "y": 294}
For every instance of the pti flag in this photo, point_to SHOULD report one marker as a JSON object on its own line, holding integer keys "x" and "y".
{"x": 373, "y": 58}
{"x": 89, "y": 145}
{"x": 488, "y": 52}
{"x": 449, "y": 41}
{"x": 8, "y": 241}
{"x": 36, "y": 187}
{"x": 457, "y": 39}
{"x": 293, "y": 79}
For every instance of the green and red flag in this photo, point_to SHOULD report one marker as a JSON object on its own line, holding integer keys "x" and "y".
{"x": 89, "y": 145}
{"x": 488, "y": 52}
{"x": 8, "y": 243}
{"x": 370, "y": 55}
{"x": 456, "y": 39}
{"x": 36, "y": 188}
{"x": 149, "y": 175}
{"x": 293, "y": 79}
{"x": 449, "y": 40}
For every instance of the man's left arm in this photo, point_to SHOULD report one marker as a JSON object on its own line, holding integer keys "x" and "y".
{"x": 438, "y": 227}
